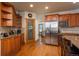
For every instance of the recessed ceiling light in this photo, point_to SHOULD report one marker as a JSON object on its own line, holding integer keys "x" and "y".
{"x": 74, "y": 2}
{"x": 31, "y": 5}
{"x": 46, "y": 7}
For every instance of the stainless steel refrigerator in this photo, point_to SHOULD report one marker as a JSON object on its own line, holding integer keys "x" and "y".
{"x": 51, "y": 31}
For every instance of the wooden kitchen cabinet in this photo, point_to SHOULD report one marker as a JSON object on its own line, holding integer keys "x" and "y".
{"x": 48, "y": 18}
{"x": 22, "y": 39}
{"x": 51, "y": 17}
{"x": 72, "y": 20}
{"x": 65, "y": 46}
{"x": 0, "y": 14}
{"x": 6, "y": 11}
{"x": 17, "y": 43}
{"x": 5, "y": 47}
{"x": 15, "y": 19}
{"x": 7, "y": 15}
{"x": 10, "y": 46}
{"x": 77, "y": 20}
{"x": 64, "y": 17}
{"x": 18, "y": 22}
{"x": 0, "y": 47}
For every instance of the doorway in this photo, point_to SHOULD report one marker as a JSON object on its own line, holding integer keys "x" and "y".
{"x": 30, "y": 29}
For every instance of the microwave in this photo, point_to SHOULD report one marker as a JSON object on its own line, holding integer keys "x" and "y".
{"x": 63, "y": 24}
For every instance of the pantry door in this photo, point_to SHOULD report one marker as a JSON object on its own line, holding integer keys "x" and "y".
{"x": 30, "y": 29}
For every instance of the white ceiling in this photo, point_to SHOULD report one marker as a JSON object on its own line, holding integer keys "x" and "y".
{"x": 40, "y": 6}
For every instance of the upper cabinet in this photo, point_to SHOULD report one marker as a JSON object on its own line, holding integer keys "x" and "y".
{"x": 64, "y": 17}
{"x": 8, "y": 16}
{"x": 18, "y": 21}
{"x": 72, "y": 19}
{"x": 77, "y": 19}
{"x": 51, "y": 17}
{"x": 0, "y": 14}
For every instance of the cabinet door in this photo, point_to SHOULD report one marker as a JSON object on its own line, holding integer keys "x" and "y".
{"x": 77, "y": 19}
{"x": 0, "y": 14}
{"x": 14, "y": 19}
{"x": 67, "y": 18}
{"x": 73, "y": 20}
{"x": 9, "y": 46}
{"x": 19, "y": 21}
{"x": 5, "y": 47}
{"x": 48, "y": 18}
{"x": 22, "y": 39}
{"x": 17, "y": 43}
{"x": 51, "y": 17}
{"x": 62, "y": 18}
{"x": 0, "y": 47}
{"x": 12, "y": 45}
{"x": 55, "y": 17}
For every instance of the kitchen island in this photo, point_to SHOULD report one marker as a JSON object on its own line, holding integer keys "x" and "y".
{"x": 69, "y": 43}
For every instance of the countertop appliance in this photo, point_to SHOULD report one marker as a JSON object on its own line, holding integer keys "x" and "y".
{"x": 18, "y": 31}
{"x": 4, "y": 34}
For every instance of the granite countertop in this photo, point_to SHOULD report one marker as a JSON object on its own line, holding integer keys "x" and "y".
{"x": 10, "y": 36}
{"x": 73, "y": 37}
{"x": 70, "y": 31}
{"x": 72, "y": 34}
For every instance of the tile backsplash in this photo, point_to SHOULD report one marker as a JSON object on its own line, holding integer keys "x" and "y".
{"x": 7, "y": 29}
{"x": 70, "y": 30}
{"x": 4, "y": 29}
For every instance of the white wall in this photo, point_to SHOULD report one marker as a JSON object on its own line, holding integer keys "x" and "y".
{"x": 23, "y": 24}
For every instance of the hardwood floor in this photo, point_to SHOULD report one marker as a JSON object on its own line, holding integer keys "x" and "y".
{"x": 38, "y": 49}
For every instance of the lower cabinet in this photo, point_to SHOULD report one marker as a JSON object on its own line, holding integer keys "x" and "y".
{"x": 17, "y": 43}
{"x": 4, "y": 49}
{"x": 22, "y": 40}
{"x": 10, "y": 46}
{"x": 65, "y": 46}
{"x": 0, "y": 47}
